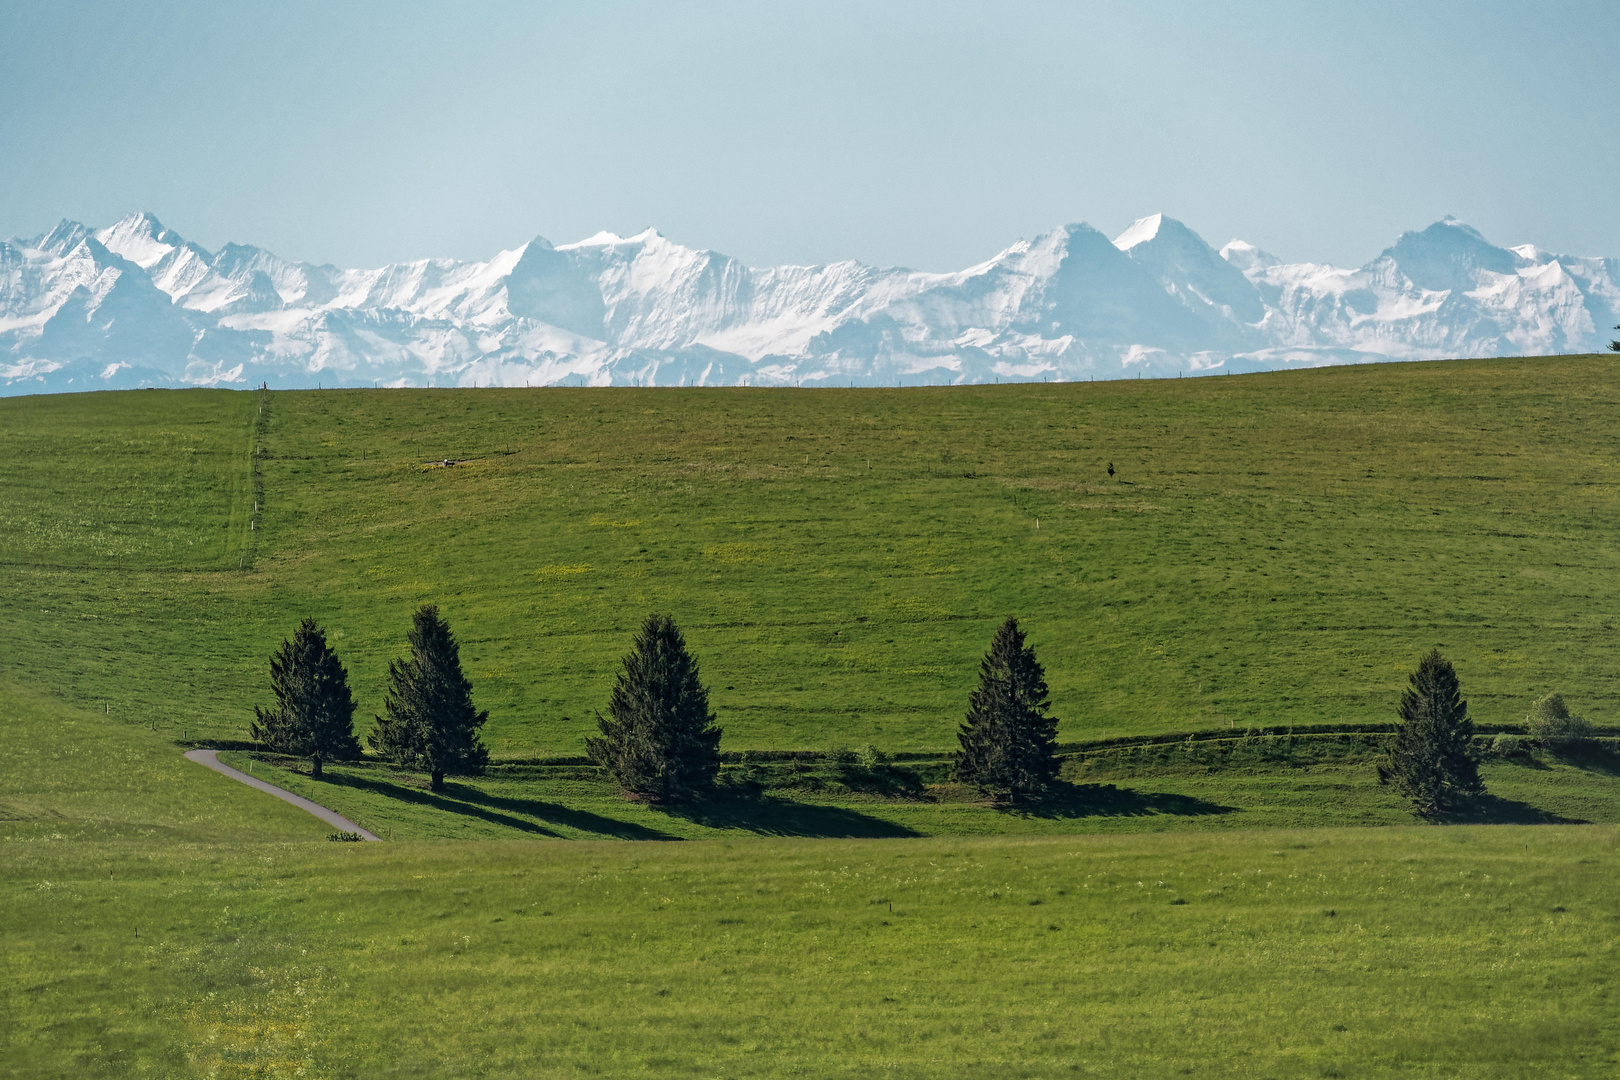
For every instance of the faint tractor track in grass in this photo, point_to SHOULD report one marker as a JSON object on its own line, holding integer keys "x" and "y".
{"x": 256, "y": 453}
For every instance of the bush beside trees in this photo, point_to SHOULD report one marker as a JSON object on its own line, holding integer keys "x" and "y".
{"x": 430, "y": 722}
{"x": 1008, "y": 742}
{"x": 1430, "y": 759}
{"x": 1551, "y": 722}
{"x": 658, "y": 740}
{"x": 314, "y": 712}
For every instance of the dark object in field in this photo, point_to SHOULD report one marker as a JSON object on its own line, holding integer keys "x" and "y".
{"x": 1431, "y": 758}
{"x": 659, "y": 740}
{"x": 314, "y": 712}
{"x": 1009, "y": 742}
{"x": 1110, "y": 470}
{"x": 345, "y": 837}
{"x": 430, "y": 723}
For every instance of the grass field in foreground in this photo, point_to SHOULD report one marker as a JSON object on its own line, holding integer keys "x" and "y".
{"x": 1274, "y": 548}
{"x": 1357, "y": 953}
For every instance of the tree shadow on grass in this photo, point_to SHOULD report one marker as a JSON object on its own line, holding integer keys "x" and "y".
{"x": 1066, "y": 800}
{"x": 764, "y": 814}
{"x": 1592, "y": 757}
{"x": 1488, "y": 809}
{"x": 468, "y": 801}
{"x": 583, "y": 820}
{"x": 889, "y": 781}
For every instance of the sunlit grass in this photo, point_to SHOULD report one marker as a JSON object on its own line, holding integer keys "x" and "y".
{"x": 70, "y": 774}
{"x": 1274, "y": 549}
{"x": 1393, "y": 952}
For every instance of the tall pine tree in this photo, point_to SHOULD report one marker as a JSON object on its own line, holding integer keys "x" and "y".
{"x": 1009, "y": 742}
{"x": 314, "y": 712}
{"x": 430, "y": 722}
{"x": 1431, "y": 758}
{"x": 659, "y": 740}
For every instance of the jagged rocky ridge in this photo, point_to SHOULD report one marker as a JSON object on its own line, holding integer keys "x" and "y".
{"x": 136, "y": 304}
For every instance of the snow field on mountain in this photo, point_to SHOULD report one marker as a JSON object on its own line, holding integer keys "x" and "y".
{"x": 139, "y": 301}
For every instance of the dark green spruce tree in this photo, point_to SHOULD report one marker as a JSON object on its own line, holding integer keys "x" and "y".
{"x": 1431, "y": 757}
{"x": 429, "y": 722}
{"x": 1614, "y": 346}
{"x": 1009, "y": 742}
{"x": 659, "y": 740}
{"x": 314, "y": 712}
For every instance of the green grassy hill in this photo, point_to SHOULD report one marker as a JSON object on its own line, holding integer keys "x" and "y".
{"x": 1273, "y": 549}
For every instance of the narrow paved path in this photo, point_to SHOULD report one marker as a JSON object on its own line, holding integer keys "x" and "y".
{"x": 210, "y": 758}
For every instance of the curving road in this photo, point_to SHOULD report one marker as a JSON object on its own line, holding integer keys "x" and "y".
{"x": 210, "y": 758}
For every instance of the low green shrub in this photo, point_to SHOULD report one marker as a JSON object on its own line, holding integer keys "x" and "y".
{"x": 1551, "y": 722}
{"x": 1508, "y": 746}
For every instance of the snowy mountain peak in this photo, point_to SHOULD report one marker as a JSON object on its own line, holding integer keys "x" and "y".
{"x": 1193, "y": 273}
{"x": 601, "y": 239}
{"x": 606, "y": 239}
{"x": 137, "y": 304}
{"x": 1246, "y": 257}
{"x": 140, "y": 238}
{"x": 61, "y": 239}
{"x": 1141, "y": 231}
{"x": 92, "y": 252}
{"x": 1448, "y": 255}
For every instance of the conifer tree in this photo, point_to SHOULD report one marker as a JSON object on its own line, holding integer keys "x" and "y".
{"x": 659, "y": 740}
{"x": 1009, "y": 742}
{"x": 430, "y": 722}
{"x": 1614, "y": 346}
{"x": 314, "y": 712}
{"x": 1431, "y": 759}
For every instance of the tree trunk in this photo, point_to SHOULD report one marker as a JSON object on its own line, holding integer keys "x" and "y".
{"x": 315, "y": 767}
{"x": 437, "y": 781}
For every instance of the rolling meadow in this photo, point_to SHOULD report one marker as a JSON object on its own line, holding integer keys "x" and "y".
{"x": 1217, "y": 887}
{"x": 1272, "y": 550}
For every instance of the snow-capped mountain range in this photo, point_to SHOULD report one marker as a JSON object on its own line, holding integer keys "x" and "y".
{"x": 136, "y": 304}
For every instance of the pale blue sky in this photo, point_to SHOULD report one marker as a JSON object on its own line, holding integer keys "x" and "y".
{"x": 923, "y": 134}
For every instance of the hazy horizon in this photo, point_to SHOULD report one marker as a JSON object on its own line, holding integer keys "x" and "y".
{"x": 925, "y": 136}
